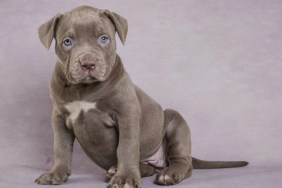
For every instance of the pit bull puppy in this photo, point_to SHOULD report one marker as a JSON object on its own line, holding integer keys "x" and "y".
{"x": 119, "y": 127}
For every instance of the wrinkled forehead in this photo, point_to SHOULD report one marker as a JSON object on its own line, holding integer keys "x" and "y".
{"x": 85, "y": 23}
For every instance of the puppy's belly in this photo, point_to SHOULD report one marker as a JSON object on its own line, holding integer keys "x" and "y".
{"x": 158, "y": 159}
{"x": 95, "y": 132}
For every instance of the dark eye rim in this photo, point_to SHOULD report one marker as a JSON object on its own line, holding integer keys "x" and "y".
{"x": 69, "y": 42}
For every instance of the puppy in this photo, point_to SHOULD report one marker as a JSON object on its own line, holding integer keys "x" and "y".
{"x": 118, "y": 125}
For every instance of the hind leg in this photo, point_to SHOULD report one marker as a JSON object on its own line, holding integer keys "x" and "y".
{"x": 178, "y": 150}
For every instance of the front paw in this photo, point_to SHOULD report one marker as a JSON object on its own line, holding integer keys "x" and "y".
{"x": 129, "y": 180}
{"x": 54, "y": 177}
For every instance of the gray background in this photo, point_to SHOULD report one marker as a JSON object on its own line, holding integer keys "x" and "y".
{"x": 217, "y": 62}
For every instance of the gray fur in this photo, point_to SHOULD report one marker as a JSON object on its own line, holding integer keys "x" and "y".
{"x": 125, "y": 125}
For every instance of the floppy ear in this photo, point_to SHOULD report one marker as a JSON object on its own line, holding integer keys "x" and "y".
{"x": 120, "y": 24}
{"x": 47, "y": 30}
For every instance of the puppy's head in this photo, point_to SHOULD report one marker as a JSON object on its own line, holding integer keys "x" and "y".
{"x": 85, "y": 42}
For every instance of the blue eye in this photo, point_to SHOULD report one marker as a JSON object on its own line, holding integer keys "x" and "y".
{"x": 67, "y": 42}
{"x": 104, "y": 39}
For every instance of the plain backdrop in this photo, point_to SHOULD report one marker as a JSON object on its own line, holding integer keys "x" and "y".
{"x": 219, "y": 63}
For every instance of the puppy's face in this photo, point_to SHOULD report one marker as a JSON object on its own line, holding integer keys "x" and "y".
{"x": 85, "y": 43}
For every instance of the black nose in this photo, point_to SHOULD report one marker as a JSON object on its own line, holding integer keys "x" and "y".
{"x": 88, "y": 65}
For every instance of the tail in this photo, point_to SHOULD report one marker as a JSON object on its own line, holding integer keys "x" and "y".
{"x": 201, "y": 164}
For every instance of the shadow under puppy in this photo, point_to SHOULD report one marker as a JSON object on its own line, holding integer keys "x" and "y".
{"x": 119, "y": 127}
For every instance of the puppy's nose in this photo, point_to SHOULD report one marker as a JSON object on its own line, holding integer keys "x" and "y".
{"x": 88, "y": 65}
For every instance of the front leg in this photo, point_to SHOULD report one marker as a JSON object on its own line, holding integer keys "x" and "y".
{"x": 128, "y": 151}
{"x": 63, "y": 145}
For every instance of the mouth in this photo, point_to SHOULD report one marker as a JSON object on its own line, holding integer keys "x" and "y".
{"x": 88, "y": 80}
{"x": 78, "y": 75}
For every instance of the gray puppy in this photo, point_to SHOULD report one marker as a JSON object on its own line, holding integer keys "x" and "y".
{"x": 119, "y": 127}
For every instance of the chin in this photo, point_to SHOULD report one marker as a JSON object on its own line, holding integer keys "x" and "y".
{"x": 88, "y": 80}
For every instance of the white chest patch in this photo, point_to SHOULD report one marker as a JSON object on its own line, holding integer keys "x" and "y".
{"x": 74, "y": 108}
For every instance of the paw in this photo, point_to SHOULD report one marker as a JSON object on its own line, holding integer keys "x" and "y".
{"x": 172, "y": 175}
{"x": 110, "y": 173}
{"x": 120, "y": 180}
{"x": 53, "y": 178}
{"x": 146, "y": 170}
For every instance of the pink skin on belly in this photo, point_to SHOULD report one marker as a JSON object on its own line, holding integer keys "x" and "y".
{"x": 158, "y": 159}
